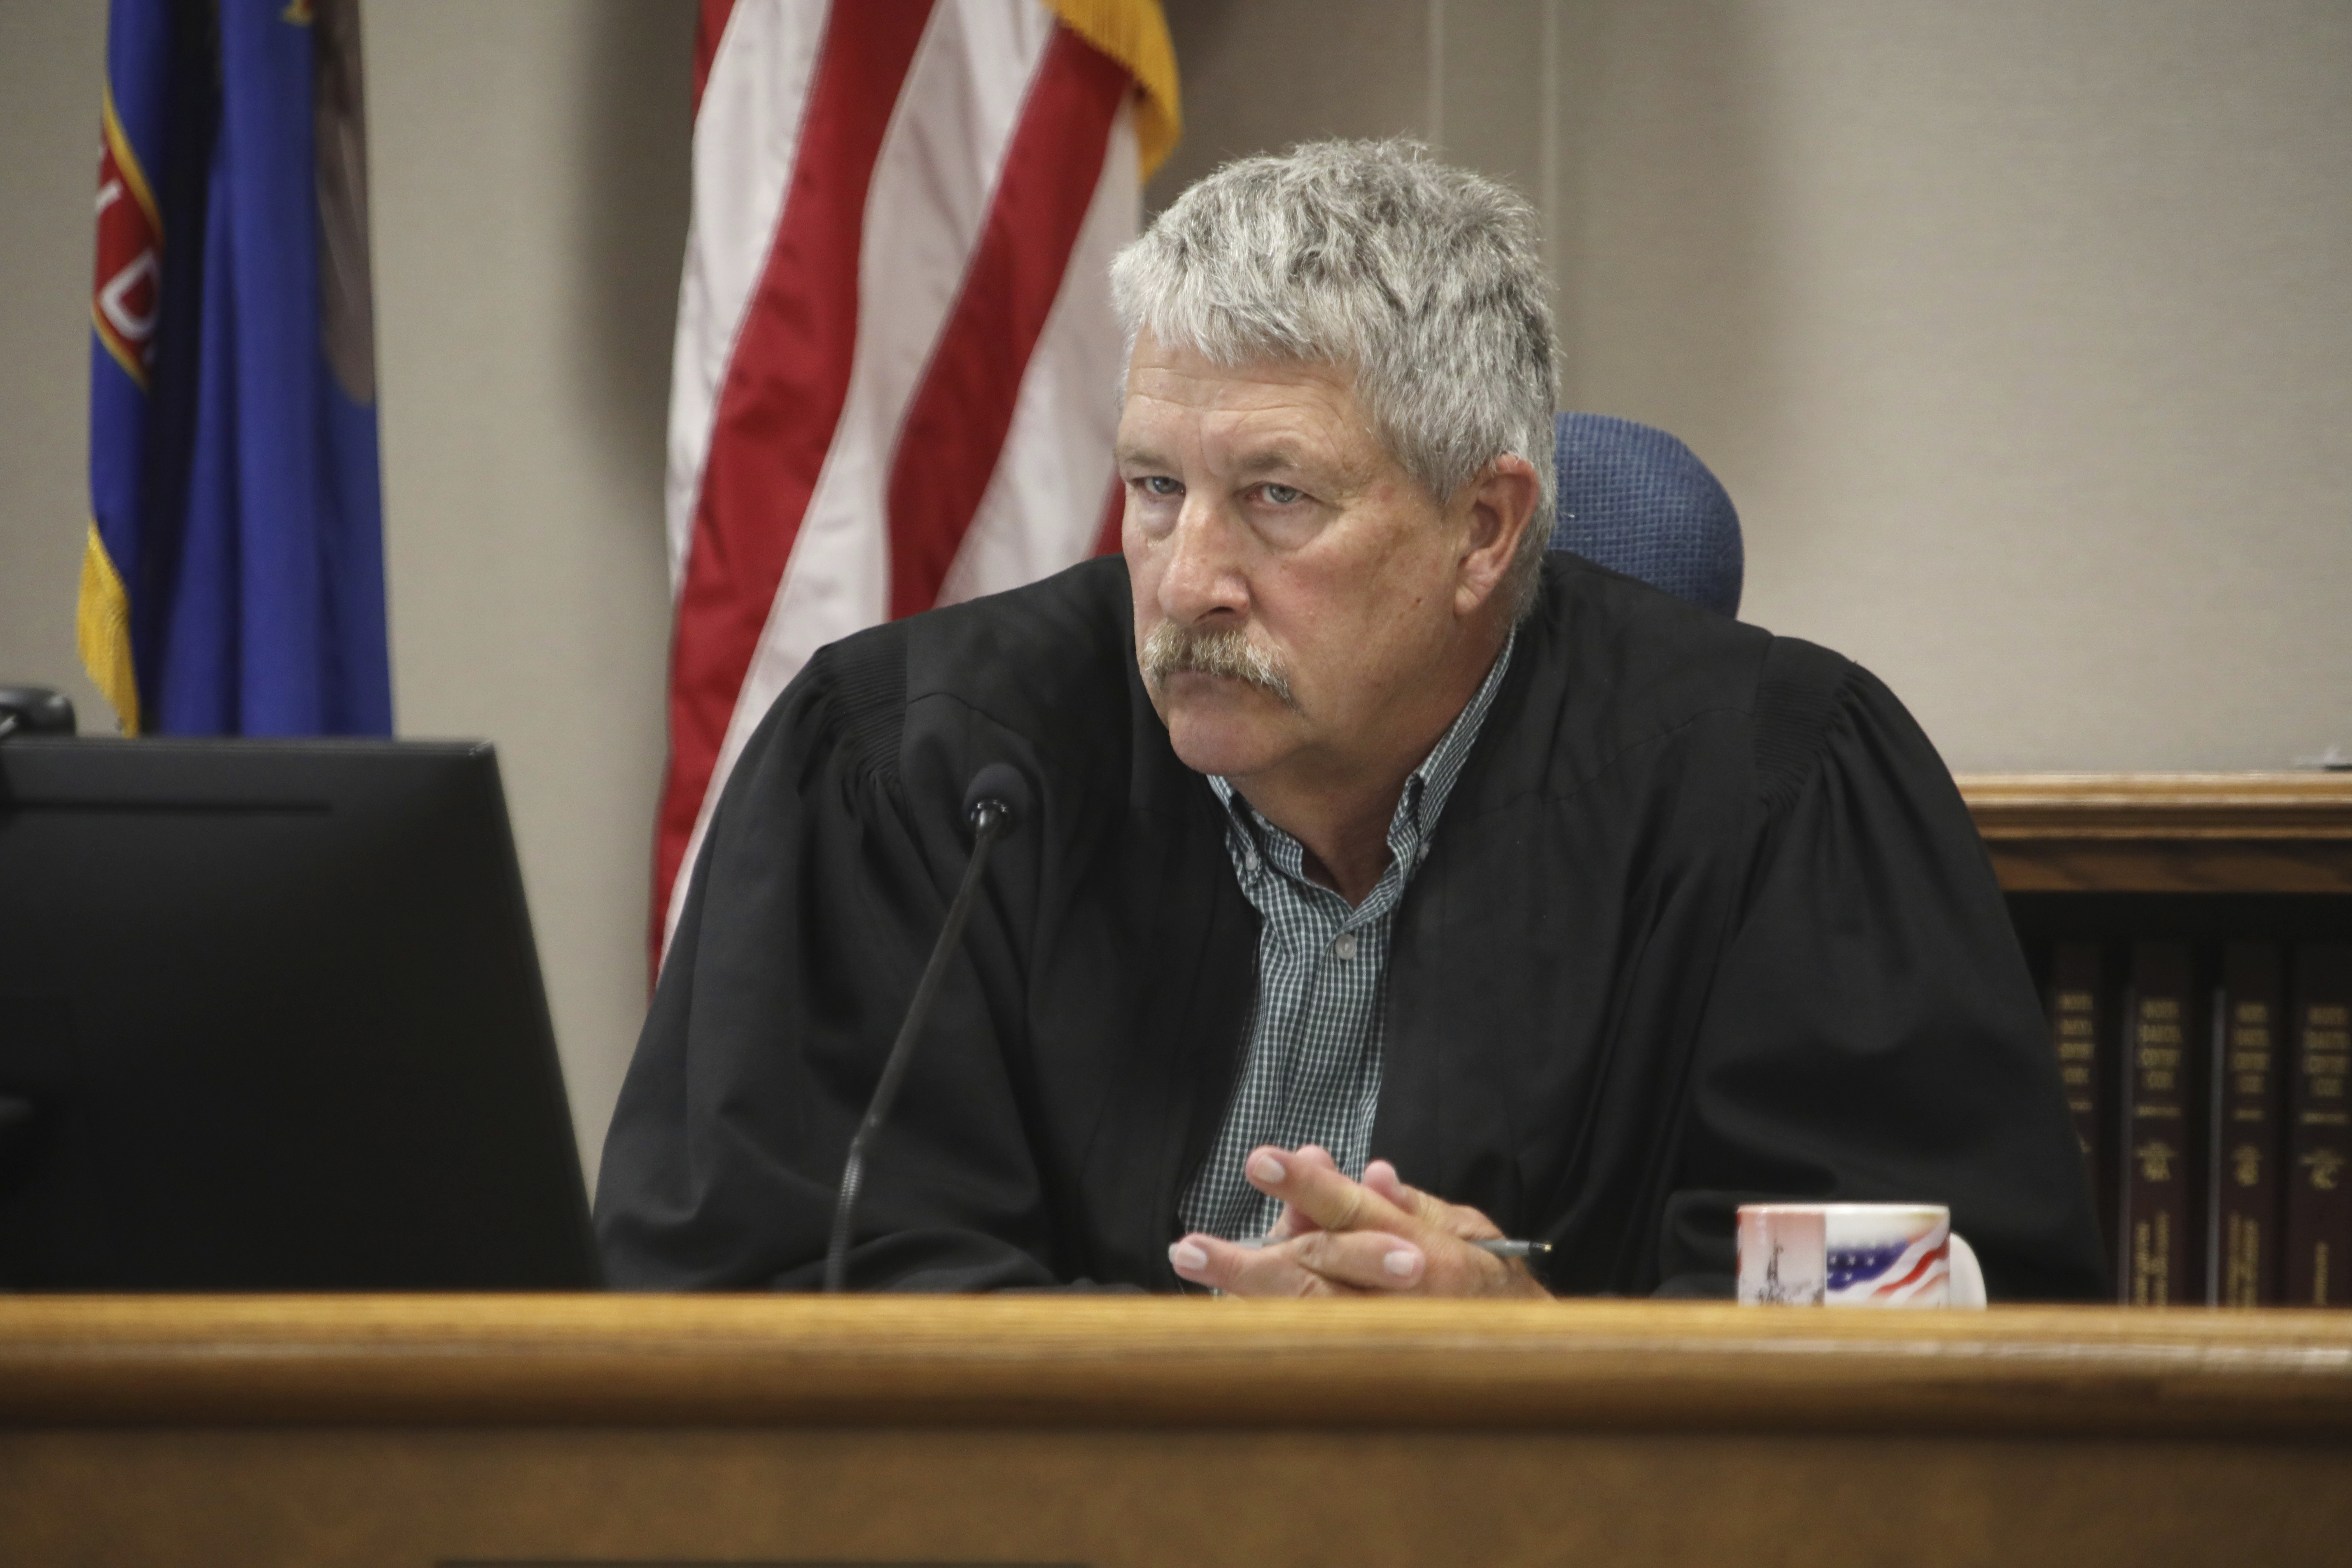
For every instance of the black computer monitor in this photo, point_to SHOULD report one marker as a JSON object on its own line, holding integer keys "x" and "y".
{"x": 271, "y": 1019}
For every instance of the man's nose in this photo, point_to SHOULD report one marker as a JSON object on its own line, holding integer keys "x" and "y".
{"x": 1204, "y": 573}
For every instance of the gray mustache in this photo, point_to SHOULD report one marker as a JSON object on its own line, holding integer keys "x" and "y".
{"x": 1169, "y": 649}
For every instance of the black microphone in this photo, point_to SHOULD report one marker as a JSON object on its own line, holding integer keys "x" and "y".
{"x": 994, "y": 804}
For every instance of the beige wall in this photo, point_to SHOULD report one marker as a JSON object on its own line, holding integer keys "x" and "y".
{"x": 2021, "y": 331}
{"x": 529, "y": 166}
{"x": 50, "y": 56}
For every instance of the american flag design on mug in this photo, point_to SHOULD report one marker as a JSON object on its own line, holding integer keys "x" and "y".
{"x": 1845, "y": 1254}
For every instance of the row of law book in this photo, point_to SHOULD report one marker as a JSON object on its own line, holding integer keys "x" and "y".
{"x": 2207, "y": 1082}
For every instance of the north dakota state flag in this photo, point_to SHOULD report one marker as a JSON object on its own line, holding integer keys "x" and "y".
{"x": 233, "y": 578}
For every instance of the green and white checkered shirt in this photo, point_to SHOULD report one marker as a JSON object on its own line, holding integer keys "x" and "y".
{"x": 1313, "y": 1073}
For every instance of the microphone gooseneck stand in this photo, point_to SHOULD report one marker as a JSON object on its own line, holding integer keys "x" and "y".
{"x": 991, "y": 805}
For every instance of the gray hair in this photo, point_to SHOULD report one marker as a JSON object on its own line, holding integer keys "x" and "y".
{"x": 1427, "y": 281}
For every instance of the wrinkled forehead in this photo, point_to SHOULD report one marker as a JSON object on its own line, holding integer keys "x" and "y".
{"x": 1181, "y": 367}
{"x": 1182, "y": 383}
{"x": 1258, "y": 417}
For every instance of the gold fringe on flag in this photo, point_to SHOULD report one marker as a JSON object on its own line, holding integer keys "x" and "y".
{"x": 102, "y": 626}
{"x": 1135, "y": 34}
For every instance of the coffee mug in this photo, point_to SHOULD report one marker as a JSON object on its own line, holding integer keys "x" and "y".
{"x": 1853, "y": 1254}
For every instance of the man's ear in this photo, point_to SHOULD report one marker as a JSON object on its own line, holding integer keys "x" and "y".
{"x": 1501, "y": 506}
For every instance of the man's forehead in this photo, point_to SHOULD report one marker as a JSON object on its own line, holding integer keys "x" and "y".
{"x": 1260, "y": 415}
{"x": 1265, "y": 429}
{"x": 1179, "y": 373}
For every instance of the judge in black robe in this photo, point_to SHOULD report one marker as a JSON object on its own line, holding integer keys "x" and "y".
{"x": 1705, "y": 922}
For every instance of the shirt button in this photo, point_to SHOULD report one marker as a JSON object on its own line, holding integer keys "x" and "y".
{"x": 1345, "y": 948}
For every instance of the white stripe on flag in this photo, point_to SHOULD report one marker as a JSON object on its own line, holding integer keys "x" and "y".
{"x": 1043, "y": 505}
{"x": 747, "y": 135}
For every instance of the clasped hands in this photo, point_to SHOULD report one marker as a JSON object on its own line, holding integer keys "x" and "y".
{"x": 1337, "y": 1237}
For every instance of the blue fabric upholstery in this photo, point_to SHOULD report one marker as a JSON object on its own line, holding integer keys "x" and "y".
{"x": 1638, "y": 501}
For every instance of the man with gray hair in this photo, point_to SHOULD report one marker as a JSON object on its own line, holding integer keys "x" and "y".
{"x": 1391, "y": 886}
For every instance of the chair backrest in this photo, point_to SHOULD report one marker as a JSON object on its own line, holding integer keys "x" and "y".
{"x": 1638, "y": 501}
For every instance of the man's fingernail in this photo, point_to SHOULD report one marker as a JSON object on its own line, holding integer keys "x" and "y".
{"x": 1267, "y": 1168}
{"x": 1184, "y": 1255}
{"x": 1402, "y": 1263}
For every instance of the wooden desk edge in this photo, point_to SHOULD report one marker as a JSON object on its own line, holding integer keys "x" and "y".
{"x": 2160, "y": 806}
{"x": 787, "y": 1361}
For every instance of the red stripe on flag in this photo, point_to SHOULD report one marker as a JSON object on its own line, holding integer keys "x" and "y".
{"x": 1926, "y": 1260}
{"x": 709, "y": 26}
{"x": 785, "y": 384}
{"x": 955, "y": 427}
{"x": 1108, "y": 541}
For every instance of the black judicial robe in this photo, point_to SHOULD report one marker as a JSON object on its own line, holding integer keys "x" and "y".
{"x": 1705, "y": 922}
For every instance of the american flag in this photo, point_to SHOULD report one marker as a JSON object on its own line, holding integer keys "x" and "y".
{"x": 1890, "y": 1270}
{"x": 896, "y": 350}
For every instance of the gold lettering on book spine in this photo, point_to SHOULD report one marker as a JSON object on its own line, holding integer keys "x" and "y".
{"x": 2152, "y": 1261}
{"x": 2241, "y": 1281}
{"x": 2076, "y": 1033}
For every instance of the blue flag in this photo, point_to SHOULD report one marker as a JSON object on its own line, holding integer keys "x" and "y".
{"x": 233, "y": 578}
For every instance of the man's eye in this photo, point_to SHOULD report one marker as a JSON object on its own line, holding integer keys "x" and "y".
{"x": 1160, "y": 485}
{"x": 1280, "y": 495}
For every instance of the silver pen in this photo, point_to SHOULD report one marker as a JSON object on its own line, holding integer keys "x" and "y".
{"x": 1494, "y": 1248}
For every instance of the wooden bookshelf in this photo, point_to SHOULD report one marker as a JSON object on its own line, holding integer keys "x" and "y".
{"x": 2166, "y": 833}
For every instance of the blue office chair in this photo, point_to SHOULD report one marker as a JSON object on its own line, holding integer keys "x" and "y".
{"x": 1638, "y": 501}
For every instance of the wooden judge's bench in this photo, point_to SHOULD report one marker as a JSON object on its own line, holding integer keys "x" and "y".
{"x": 423, "y": 1430}
{"x": 416, "y": 1430}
